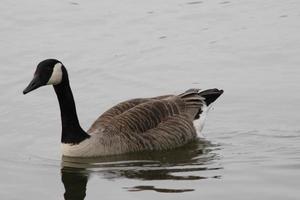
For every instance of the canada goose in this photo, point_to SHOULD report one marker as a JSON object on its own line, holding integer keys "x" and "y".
{"x": 142, "y": 124}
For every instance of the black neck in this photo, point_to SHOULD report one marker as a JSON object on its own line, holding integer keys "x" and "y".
{"x": 71, "y": 129}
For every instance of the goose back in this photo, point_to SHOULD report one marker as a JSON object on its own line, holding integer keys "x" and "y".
{"x": 158, "y": 123}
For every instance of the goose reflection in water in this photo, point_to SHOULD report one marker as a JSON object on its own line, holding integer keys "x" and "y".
{"x": 197, "y": 157}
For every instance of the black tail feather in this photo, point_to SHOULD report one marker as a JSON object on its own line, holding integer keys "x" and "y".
{"x": 195, "y": 100}
{"x": 210, "y": 95}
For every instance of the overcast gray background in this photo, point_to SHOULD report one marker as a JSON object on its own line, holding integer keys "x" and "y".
{"x": 116, "y": 50}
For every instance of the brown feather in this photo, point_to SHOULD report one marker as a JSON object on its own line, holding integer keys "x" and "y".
{"x": 157, "y": 123}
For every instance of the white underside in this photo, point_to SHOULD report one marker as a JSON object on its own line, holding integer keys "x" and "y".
{"x": 90, "y": 147}
{"x": 94, "y": 146}
{"x": 199, "y": 123}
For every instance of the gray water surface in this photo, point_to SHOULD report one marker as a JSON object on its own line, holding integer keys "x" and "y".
{"x": 116, "y": 50}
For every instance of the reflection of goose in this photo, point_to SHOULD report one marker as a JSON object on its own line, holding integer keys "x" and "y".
{"x": 158, "y": 123}
{"x": 75, "y": 181}
{"x": 196, "y": 161}
{"x": 162, "y": 190}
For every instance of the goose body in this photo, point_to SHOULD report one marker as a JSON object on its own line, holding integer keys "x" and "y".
{"x": 142, "y": 124}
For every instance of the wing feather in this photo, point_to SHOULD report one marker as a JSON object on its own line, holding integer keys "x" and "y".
{"x": 156, "y": 123}
{"x": 145, "y": 116}
{"x": 106, "y": 118}
{"x": 120, "y": 108}
{"x": 173, "y": 132}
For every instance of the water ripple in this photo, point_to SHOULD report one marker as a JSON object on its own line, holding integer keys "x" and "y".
{"x": 195, "y": 161}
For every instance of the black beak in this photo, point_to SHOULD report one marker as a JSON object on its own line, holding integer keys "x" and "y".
{"x": 34, "y": 84}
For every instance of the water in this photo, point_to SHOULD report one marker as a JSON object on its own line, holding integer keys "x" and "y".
{"x": 116, "y": 50}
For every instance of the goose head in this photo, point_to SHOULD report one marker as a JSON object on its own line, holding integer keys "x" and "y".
{"x": 48, "y": 72}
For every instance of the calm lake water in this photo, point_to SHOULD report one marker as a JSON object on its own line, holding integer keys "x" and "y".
{"x": 116, "y": 50}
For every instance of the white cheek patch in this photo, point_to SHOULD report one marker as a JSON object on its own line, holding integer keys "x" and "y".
{"x": 56, "y": 76}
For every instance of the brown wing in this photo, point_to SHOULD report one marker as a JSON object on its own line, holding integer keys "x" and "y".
{"x": 120, "y": 108}
{"x": 147, "y": 115}
{"x": 152, "y": 125}
{"x": 142, "y": 114}
{"x": 157, "y": 123}
{"x": 173, "y": 132}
